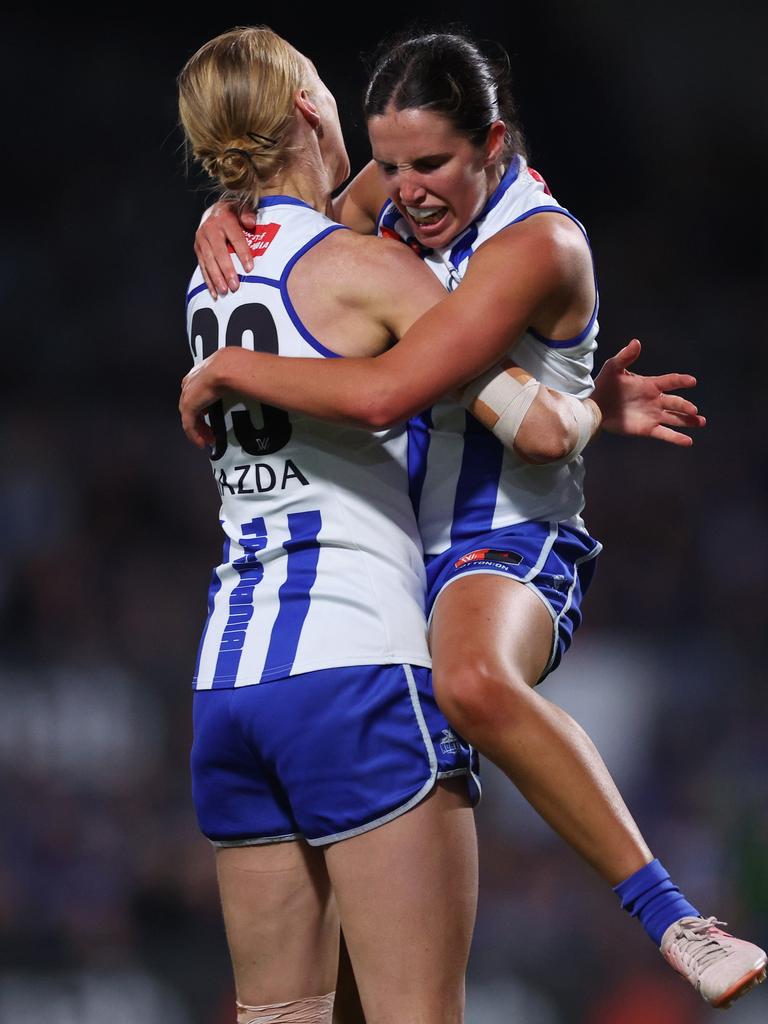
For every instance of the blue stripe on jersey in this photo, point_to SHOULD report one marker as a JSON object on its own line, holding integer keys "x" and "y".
{"x": 251, "y": 573}
{"x": 213, "y": 590}
{"x": 283, "y": 201}
{"x": 196, "y": 291}
{"x": 382, "y": 211}
{"x": 578, "y": 338}
{"x": 389, "y": 216}
{"x": 510, "y": 177}
{"x": 418, "y": 449}
{"x": 463, "y": 247}
{"x": 309, "y": 338}
{"x": 478, "y": 482}
{"x": 252, "y": 279}
{"x": 248, "y": 278}
{"x": 303, "y": 552}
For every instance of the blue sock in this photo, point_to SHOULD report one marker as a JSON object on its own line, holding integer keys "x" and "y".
{"x": 651, "y": 895}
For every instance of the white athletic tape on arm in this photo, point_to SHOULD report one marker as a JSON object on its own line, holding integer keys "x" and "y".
{"x": 587, "y": 416}
{"x": 506, "y": 397}
{"x": 312, "y": 1010}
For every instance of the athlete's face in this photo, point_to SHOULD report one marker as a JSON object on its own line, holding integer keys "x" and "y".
{"x": 331, "y": 139}
{"x": 435, "y": 175}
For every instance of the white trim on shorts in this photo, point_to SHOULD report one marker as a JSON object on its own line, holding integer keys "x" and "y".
{"x": 526, "y": 581}
{"x": 425, "y": 790}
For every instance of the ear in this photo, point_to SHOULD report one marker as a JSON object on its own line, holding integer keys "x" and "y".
{"x": 494, "y": 145}
{"x": 306, "y": 108}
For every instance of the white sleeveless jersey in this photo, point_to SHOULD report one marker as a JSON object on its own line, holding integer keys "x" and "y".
{"x": 463, "y": 481}
{"x": 322, "y": 563}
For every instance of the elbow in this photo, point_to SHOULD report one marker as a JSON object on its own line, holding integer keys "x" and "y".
{"x": 549, "y": 431}
{"x": 380, "y": 409}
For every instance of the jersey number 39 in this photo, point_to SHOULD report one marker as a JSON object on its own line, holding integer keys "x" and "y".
{"x": 275, "y": 432}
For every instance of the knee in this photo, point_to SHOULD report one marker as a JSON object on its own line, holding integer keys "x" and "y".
{"x": 477, "y": 697}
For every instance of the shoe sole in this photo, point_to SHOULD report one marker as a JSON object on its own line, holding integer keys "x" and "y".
{"x": 749, "y": 981}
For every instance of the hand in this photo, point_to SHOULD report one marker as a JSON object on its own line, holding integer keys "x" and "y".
{"x": 199, "y": 390}
{"x": 641, "y": 406}
{"x": 219, "y": 226}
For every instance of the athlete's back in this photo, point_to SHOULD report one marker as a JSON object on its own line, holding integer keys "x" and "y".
{"x": 322, "y": 561}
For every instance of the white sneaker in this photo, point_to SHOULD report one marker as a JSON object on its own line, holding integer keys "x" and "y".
{"x": 720, "y": 967}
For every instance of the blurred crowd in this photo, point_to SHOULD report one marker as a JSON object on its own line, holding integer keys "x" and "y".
{"x": 108, "y": 531}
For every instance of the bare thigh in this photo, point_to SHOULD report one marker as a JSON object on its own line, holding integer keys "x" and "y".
{"x": 281, "y": 921}
{"x": 407, "y": 895}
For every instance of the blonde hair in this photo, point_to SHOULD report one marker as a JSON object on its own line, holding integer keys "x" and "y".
{"x": 236, "y": 106}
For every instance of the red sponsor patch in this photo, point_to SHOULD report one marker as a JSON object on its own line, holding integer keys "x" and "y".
{"x": 472, "y": 556}
{"x": 538, "y": 177}
{"x": 259, "y": 239}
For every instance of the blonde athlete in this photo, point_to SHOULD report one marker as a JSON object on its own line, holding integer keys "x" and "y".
{"x": 508, "y": 556}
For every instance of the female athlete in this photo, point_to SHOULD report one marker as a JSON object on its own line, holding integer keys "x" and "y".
{"x": 508, "y": 556}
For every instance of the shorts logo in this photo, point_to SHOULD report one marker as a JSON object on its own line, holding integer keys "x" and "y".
{"x": 259, "y": 239}
{"x": 489, "y": 555}
{"x": 449, "y": 744}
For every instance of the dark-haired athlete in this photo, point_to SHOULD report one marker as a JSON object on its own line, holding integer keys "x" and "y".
{"x": 508, "y": 556}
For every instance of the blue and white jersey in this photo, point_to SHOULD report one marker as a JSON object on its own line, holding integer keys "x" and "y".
{"x": 322, "y": 563}
{"x": 463, "y": 481}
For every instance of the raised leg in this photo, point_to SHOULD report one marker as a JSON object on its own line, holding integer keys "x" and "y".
{"x": 491, "y": 640}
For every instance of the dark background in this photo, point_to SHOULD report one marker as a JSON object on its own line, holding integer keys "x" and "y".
{"x": 649, "y": 122}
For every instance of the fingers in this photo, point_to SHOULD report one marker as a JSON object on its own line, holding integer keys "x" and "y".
{"x": 209, "y": 264}
{"x": 670, "y": 436}
{"x": 685, "y": 420}
{"x": 676, "y": 403}
{"x": 627, "y": 355}
{"x": 196, "y": 429}
{"x": 240, "y": 245}
{"x": 674, "y": 381}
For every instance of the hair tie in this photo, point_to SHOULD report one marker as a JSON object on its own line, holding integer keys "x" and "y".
{"x": 264, "y": 139}
{"x": 240, "y": 152}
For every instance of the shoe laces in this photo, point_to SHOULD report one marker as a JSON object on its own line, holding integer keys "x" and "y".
{"x": 699, "y": 943}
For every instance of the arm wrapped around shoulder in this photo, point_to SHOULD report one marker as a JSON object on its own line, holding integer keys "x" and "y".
{"x": 542, "y": 425}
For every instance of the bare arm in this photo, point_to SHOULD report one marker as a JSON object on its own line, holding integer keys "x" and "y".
{"x": 451, "y": 344}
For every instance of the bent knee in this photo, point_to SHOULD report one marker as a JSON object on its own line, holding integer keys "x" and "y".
{"x": 476, "y": 697}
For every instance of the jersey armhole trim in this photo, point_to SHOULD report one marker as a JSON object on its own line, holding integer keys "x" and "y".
{"x": 380, "y": 217}
{"x": 289, "y": 307}
{"x": 578, "y": 338}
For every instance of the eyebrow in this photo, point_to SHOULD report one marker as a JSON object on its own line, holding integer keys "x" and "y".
{"x": 415, "y": 160}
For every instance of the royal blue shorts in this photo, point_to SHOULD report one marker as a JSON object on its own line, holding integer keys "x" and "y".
{"x": 321, "y": 756}
{"x": 555, "y": 561}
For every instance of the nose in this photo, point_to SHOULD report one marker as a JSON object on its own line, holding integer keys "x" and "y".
{"x": 412, "y": 191}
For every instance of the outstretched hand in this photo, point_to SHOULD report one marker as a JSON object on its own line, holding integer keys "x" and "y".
{"x": 220, "y": 227}
{"x": 642, "y": 406}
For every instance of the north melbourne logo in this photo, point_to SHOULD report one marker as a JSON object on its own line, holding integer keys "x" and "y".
{"x": 449, "y": 744}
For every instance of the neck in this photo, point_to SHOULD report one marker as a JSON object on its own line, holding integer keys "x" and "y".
{"x": 306, "y": 177}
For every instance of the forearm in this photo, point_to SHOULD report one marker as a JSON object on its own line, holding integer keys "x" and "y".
{"x": 350, "y": 390}
{"x": 557, "y": 428}
{"x": 541, "y": 424}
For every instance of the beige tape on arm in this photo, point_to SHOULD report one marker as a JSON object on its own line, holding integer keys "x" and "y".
{"x": 508, "y": 394}
{"x": 587, "y": 416}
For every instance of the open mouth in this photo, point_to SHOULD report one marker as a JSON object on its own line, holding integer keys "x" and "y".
{"x": 426, "y": 216}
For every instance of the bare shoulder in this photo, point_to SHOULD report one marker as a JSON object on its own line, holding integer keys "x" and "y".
{"x": 544, "y": 237}
{"x": 354, "y": 266}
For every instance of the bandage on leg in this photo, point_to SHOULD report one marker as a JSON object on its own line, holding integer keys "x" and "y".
{"x": 312, "y": 1010}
